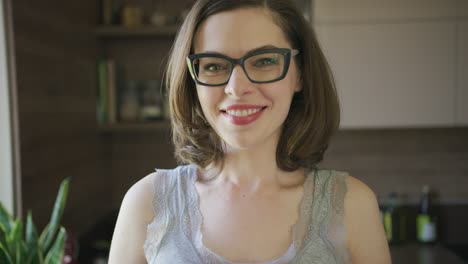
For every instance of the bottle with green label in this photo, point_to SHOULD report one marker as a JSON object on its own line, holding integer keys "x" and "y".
{"x": 394, "y": 219}
{"x": 426, "y": 224}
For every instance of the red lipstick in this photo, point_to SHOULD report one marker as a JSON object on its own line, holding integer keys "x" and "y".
{"x": 243, "y": 114}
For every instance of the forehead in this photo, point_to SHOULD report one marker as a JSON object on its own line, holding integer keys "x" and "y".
{"x": 236, "y": 32}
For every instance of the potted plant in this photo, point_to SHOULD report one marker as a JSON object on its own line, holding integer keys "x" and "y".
{"x": 20, "y": 244}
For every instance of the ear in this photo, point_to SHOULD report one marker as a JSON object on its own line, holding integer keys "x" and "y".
{"x": 298, "y": 85}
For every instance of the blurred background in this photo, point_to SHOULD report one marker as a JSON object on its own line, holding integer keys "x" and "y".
{"x": 80, "y": 96}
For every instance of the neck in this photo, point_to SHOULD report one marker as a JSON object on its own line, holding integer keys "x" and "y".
{"x": 255, "y": 169}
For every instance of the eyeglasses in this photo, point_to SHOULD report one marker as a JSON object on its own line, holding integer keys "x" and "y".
{"x": 260, "y": 66}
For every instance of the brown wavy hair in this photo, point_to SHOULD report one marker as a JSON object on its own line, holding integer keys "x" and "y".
{"x": 314, "y": 114}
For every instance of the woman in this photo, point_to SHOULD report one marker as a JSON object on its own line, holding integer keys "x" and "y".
{"x": 253, "y": 107}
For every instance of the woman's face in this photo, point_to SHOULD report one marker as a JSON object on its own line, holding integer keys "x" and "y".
{"x": 245, "y": 114}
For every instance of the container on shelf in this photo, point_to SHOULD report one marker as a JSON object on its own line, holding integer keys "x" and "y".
{"x": 132, "y": 16}
{"x": 130, "y": 105}
{"x": 394, "y": 218}
{"x": 426, "y": 221}
{"x": 152, "y": 106}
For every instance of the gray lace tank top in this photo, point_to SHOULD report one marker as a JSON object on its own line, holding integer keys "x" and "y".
{"x": 174, "y": 235}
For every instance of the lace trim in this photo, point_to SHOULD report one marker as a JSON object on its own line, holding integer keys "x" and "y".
{"x": 318, "y": 235}
{"x": 325, "y": 240}
{"x": 159, "y": 226}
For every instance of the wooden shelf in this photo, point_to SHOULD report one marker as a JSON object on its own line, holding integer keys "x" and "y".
{"x": 135, "y": 127}
{"x": 143, "y": 31}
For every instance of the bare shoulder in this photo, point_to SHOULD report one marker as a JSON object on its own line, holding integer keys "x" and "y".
{"x": 140, "y": 195}
{"x": 134, "y": 216}
{"x": 138, "y": 200}
{"x": 365, "y": 236}
{"x": 358, "y": 194}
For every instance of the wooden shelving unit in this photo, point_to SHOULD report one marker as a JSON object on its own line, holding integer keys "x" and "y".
{"x": 139, "y": 53}
{"x": 135, "y": 126}
{"x": 143, "y": 31}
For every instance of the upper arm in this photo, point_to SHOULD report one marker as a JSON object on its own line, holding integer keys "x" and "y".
{"x": 364, "y": 230}
{"x": 130, "y": 230}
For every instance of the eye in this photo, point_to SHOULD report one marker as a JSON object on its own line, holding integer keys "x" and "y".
{"x": 266, "y": 62}
{"x": 212, "y": 67}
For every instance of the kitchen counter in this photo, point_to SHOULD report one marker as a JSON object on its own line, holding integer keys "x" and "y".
{"x": 423, "y": 254}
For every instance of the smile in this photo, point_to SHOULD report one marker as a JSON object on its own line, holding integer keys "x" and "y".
{"x": 243, "y": 114}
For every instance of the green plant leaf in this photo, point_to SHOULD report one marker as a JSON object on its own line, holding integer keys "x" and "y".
{"x": 31, "y": 255}
{"x": 6, "y": 220}
{"x": 18, "y": 252}
{"x": 31, "y": 241}
{"x": 4, "y": 256}
{"x": 49, "y": 233}
{"x": 36, "y": 257}
{"x": 31, "y": 233}
{"x": 3, "y": 235}
{"x": 40, "y": 257}
{"x": 14, "y": 240}
{"x": 44, "y": 233}
{"x": 31, "y": 259}
{"x": 22, "y": 253}
{"x": 55, "y": 255}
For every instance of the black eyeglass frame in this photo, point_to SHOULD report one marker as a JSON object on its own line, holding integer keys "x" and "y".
{"x": 288, "y": 53}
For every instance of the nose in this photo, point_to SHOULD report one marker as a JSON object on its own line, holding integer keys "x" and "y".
{"x": 238, "y": 84}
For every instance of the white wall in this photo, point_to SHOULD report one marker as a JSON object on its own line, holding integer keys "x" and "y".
{"x": 6, "y": 160}
{"x": 397, "y": 63}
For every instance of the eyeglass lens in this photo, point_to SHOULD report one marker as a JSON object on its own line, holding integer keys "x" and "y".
{"x": 261, "y": 68}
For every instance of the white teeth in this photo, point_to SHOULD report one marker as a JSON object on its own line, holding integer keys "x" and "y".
{"x": 243, "y": 112}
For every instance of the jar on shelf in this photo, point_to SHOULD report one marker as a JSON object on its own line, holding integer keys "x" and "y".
{"x": 152, "y": 107}
{"x": 130, "y": 106}
{"x": 132, "y": 15}
{"x": 159, "y": 19}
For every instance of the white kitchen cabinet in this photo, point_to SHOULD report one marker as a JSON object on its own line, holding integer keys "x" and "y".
{"x": 462, "y": 75}
{"x": 339, "y": 11}
{"x": 392, "y": 74}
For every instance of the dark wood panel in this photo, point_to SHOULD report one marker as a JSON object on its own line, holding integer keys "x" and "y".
{"x": 59, "y": 121}
{"x": 132, "y": 127}
{"x": 400, "y": 141}
{"x": 55, "y": 15}
{"x": 416, "y": 253}
{"x": 59, "y": 139}
{"x": 52, "y": 156}
{"x": 403, "y": 160}
{"x": 147, "y": 31}
{"x": 85, "y": 184}
{"x": 56, "y": 75}
{"x": 66, "y": 105}
{"x": 135, "y": 155}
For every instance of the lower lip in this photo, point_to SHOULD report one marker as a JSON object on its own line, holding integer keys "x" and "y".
{"x": 243, "y": 120}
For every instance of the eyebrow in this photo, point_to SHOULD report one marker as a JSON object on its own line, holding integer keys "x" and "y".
{"x": 248, "y": 52}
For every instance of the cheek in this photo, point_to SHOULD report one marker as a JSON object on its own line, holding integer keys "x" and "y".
{"x": 209, "y": 100}
{"x": 283, "y": 92}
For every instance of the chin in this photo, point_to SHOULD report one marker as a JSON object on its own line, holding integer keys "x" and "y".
{"x": 239, "y": 142}
{"x": 238, "y": 145}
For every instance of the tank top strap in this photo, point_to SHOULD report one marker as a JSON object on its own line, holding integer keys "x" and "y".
{"x": 324, "y": 237}
{"x": 169, "y": 206}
